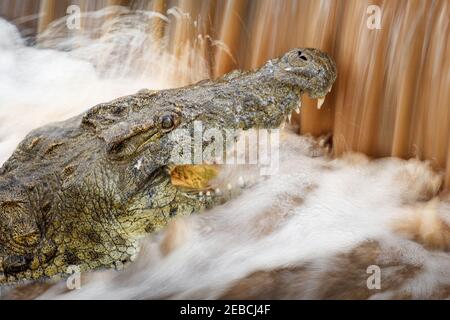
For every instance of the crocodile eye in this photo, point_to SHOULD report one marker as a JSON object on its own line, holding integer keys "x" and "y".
{"x": 167, "y": 122}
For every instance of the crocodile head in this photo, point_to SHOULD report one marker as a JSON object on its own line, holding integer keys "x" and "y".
{"x": 83, "y": 191}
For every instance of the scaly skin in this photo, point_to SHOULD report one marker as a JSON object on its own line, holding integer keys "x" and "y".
{"x": 83, "y": 191}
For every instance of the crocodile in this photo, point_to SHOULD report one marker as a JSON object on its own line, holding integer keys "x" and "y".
{"x": 82, "y": 192}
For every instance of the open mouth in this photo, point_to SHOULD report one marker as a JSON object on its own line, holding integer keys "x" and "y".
{"x": 212, "y": 179}
{"x": 194, "y": 178}
{"x": 213, "y": 184}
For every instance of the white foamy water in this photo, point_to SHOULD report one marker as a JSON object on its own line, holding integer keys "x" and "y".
{"x": 40, "y": 85}
{"x": 311, "y": 213}
{"x": 307, "y": 219}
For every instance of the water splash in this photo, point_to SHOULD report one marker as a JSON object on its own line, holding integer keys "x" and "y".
{"x": 69, "y": 72}
{"x": 314, "y": 221}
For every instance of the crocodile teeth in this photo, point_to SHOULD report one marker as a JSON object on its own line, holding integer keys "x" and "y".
{"x": 208, "y": 193}
{"x": 200, "y": 194}
{"x": 320, "y": 102}
{"x": 283, "y": 124}
{"x": 289, "y": 117}
{"x": 297, "y": 109}
{"x": 218, "y": 191}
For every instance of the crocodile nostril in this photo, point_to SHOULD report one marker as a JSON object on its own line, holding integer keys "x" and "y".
{"x": 15, "y": 264}
{"x": 302, "y": 56}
